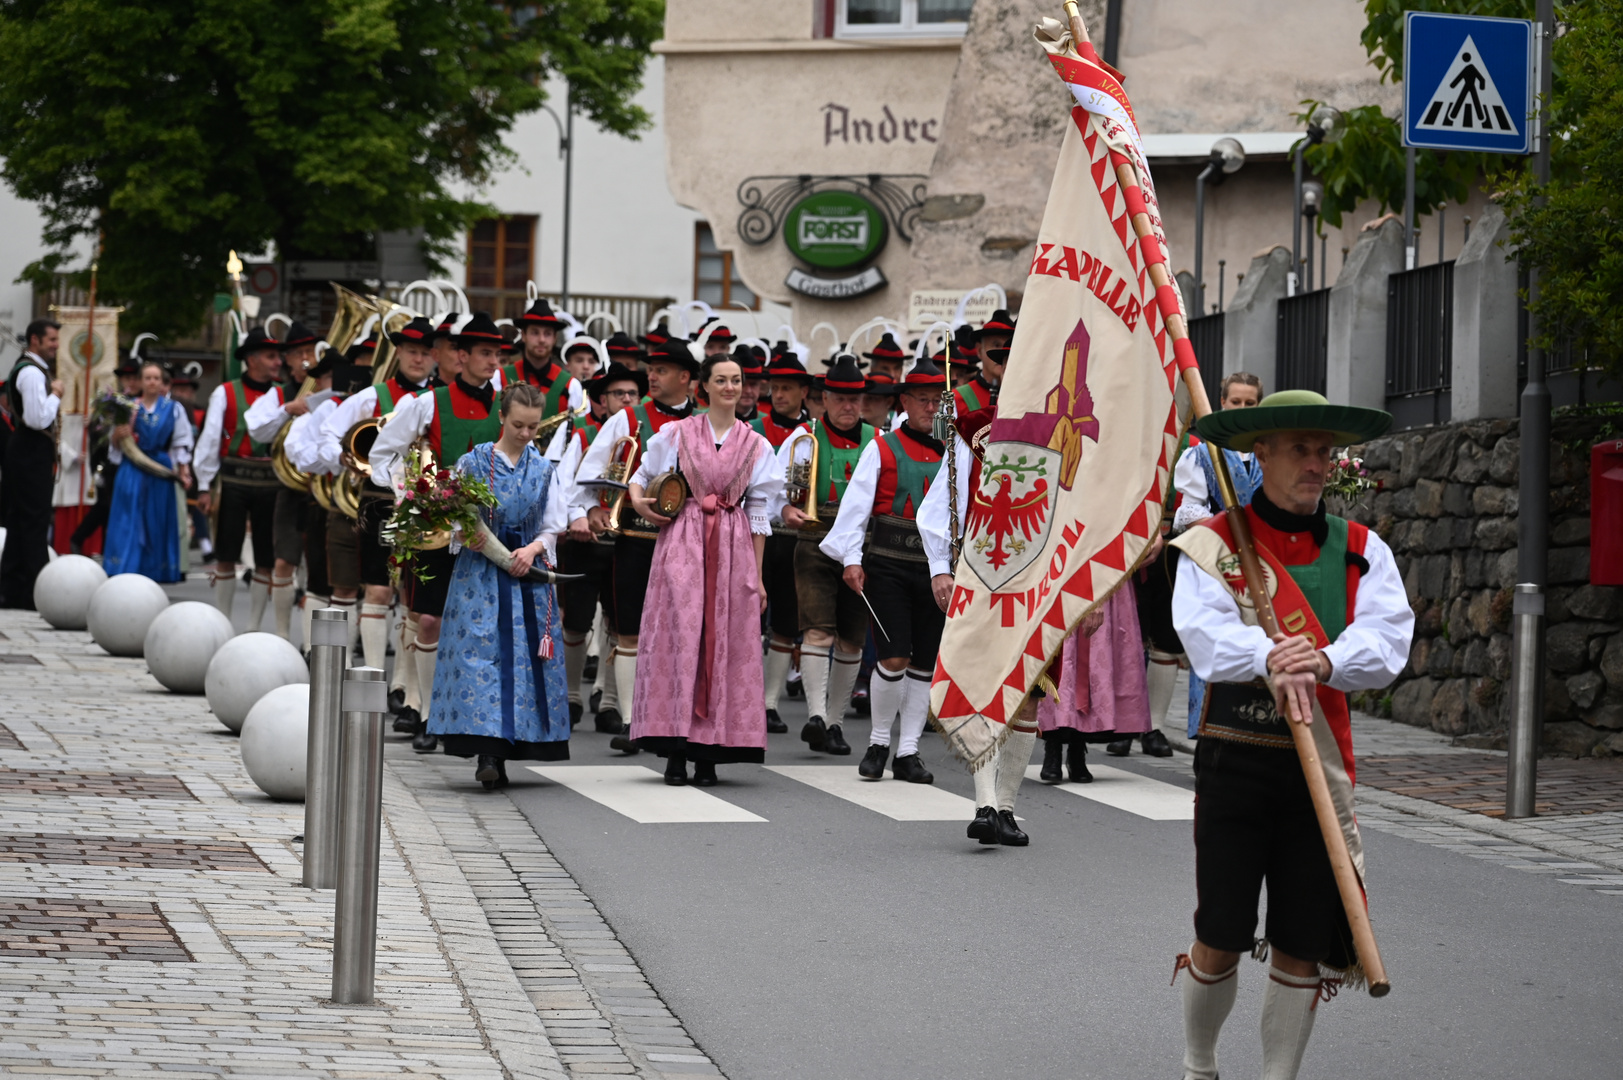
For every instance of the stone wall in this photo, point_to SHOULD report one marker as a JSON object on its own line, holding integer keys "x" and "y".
{"x": 1447, "y": 505}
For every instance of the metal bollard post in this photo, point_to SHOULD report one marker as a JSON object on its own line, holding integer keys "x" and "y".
{"x": 1526, "y": 700}
{"x": 329, "y": 641}
{"x": 360, "y": 830}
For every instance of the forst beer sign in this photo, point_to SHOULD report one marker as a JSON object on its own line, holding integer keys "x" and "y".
{"x": 834, "y": 230}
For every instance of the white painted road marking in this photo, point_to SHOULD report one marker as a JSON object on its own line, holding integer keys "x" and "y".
{"x": 896, "y": 799}
{"x": 642, "y": 795}
{"x": 1131, "y": 792}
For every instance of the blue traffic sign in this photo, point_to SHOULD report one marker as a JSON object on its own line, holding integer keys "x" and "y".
{"x": 1467, "y": 83}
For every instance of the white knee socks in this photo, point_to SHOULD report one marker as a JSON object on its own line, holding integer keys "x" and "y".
{"x": 625, "y": 677}
{"x": 375, "y": 634}
{"x": 885, "y": 695}
{"x": 606, "y": 681}
{"x": 814, "y": 674}
{"x": 281, "y": 594}
{"x": 312, "y": 603}
{"x": 258, "y": 597}
{"x": 349, "y": 605}
{"x": 1162, "y": 677}
{"x": 426, "y": 655}
{"x": 1012, "y": 759}
{"x": 986, "y": 784}
{"x": 225, "y": 592}
{"x": 1288, "y": 1007}
{"x": 842, "y": 677}
{"x": 574, "y": 664}
{"x": 778, "y": 658}
{"x": 405, "y": 661}
{"x": 1207, "y": 1001}
{"x": 397, "y": 680}
{"x": 915, "y": 711}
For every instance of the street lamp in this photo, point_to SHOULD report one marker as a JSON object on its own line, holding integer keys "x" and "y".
{"x": 1324, "y": 124}
{"x": 566, "y": 142}
{"x": 1225, "y": 159}
{"x": 1312, "y": 200}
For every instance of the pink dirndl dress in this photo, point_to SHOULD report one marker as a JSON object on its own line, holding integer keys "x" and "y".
{"x": 1102, "y": 690}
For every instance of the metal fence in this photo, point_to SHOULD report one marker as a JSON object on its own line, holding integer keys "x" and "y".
{"x": 1206, "y": 335}
{"x": 1302, "y": 342}
{"x": 633, "y": 312}
{"x": 1573, "y": 376}
{"x": 1420, "y": 344}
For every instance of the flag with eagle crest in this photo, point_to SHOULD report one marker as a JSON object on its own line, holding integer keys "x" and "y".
{"x": 1068, "y": 491}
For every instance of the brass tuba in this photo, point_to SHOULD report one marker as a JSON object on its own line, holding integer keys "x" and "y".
{"x": 801, "y": 481}
{"x": 354, "y": 452}
{"x": 353, "y": 311}
{"x": 291, "y": 476}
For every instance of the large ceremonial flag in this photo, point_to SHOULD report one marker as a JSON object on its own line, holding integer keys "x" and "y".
{"x": 1074, "y": 465}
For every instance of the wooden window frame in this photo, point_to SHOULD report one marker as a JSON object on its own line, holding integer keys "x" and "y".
{"x": 501, "y": 298}
{"x": 728, "y": 274}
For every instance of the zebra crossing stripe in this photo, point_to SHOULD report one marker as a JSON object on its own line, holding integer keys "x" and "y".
{"x": 1131, "y": 792}
{"x": 895, "y": 799}
{"x": 642, "y": 795}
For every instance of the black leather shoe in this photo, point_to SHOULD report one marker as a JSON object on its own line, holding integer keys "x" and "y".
{"x": 576, "y": 711}
{"x": 425, "y": 743}
{"x": 815, "y": 733}
{"x": 704, "y": 773}
{"x": 911, "y": 768}
{"x": 1155, "y": 744}
{"x": 609, "y": 723}
{"x": 589, "y": 672}
{"x": 676, "y": 771}
{"x": 795, "y": 688}
{"x": 1119, "y": 748}
{"x": 488, "y": 772}
{"x": 1076, "y": 763}
{"x": 834, "y": 742}
{"x": 860, "y": 705}
{"x": 873, "y": 763}
{"x": 1053, "y": 762}
{"x": 625, "y": 744}
{"x": 501, "y": 769}
{"x": 596, "y": 702}
{"x": 1009, "y": 833}
{"x": 407, "y": 721}
{"x": 775, "y": 724}
{"x": 984, "y": 827}
{"x": 397, "y": 700}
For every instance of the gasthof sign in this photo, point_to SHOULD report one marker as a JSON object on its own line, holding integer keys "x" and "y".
{"x": 834, "y": 230}
{"x": 820, "y": 229}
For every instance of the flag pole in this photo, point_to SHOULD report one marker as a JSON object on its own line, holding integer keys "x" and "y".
{"x": 1347, "y": 883}
{"x": 88, "y": 355}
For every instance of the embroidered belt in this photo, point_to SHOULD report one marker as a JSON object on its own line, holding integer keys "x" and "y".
{"x": 896, "y": 538}
{"x": 249, "y": 473}
{"x": 1244, "y": 713}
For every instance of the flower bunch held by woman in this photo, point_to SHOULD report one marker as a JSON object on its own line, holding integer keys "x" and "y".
{"x": 436, "y": 502}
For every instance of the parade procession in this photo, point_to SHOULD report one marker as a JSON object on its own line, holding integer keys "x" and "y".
{"x": 917, "y": 561}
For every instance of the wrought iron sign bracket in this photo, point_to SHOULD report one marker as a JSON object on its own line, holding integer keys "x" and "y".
{"x": 766, "y": 199}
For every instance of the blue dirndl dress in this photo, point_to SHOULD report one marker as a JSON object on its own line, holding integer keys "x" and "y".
{"x": 143, "y": 522}
{"x": 493, "y": 692}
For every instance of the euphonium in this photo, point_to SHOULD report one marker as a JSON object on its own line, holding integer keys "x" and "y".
{"x": 353, "y": 310}
{"x": 288, "y": 473}
{"x": 355, "y": 448}
{"x": 346, "y": 494}
{"x": 801, "y": 481}
{"x": 321, "y": 489}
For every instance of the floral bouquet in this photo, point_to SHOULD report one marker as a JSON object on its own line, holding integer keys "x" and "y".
{"x": 1347, "y": 479}
{"x": 435, "y": 502}
{"x": 112, "y": 409}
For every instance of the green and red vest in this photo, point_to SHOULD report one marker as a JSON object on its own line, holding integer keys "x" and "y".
{"x": 974, "y": 396}
{"x": 461, "y": 422}
{"x": 837, "y": 458}
{"x": 555, "y": 385}
{"x": 238, "y": 398}
{"x": 906, "y": 467}
{"x": 766, "y": 424}
{"x": 649, "y": 421}
{"x": 390, "y": 394}
{"x": 584, "y": 429}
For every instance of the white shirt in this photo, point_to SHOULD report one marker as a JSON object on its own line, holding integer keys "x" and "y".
{"x": 266, "y": 417}
{"x": 1189, "y": 478}
{"x": 406, "y": 424}
{"x": 304, "y": 446}
{"x": 596, "y": 460}
{"x": 207, "y": 459}
{"x": 34, "y": 386}
{"x": 180, "y": 441}
{"x": 762, "y": 498}
{"x": 935, "y": 514}
{"x": 1368, "y": 655}
{"x": 358, "y": 406}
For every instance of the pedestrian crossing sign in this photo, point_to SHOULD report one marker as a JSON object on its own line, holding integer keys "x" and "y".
{"x": 1468, "y": 83}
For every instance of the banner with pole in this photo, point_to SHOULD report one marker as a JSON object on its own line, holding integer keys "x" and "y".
{"x": 81, "y": 344}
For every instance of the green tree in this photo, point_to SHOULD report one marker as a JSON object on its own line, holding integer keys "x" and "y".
{"x": 181, "y": 129}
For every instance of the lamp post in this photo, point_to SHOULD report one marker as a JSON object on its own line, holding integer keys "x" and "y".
{"x": 1227, "y": 155}
{"x": 566, "y": 143}
{"x": 1324, "y": 124}
{"x": 1312, "y": 199}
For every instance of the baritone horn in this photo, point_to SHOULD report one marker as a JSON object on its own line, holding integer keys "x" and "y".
{"x": 801, "y": 482}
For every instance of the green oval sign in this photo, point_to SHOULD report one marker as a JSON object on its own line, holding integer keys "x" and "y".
{"x": 834, "y": 229}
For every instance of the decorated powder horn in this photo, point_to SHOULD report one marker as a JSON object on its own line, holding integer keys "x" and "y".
{"x": 496, "y": 551}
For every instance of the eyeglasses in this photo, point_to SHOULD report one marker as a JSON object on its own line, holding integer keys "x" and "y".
{"x": 620, "y": 393}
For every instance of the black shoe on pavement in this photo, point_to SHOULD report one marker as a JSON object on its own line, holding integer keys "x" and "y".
{"x": 625, "y": 745}
{"x": 1155, "y": 744}
{"x": 834, "y": 742}
{"x": 609, "y": 723}
{"x": 815, "y": 733}
{"x": 873, "y": 763}
{"x": 676, "y": 771}
{"x": 775, "y": 724}
{"x": 704, "y": 773}
{"x": 1053, "y": 762}
{"x": 1009, "y": 833}
{"x": 911, "y": 768}
{"x": 1076, "y": 762}
{"x": 1119, "y": 748}
{"x": 425, "y": 743}
{"x": 397, "y": 700}
{"x": 984, "y": 827}
{"x": 795, "y": 688}
{"x": 501, "y": 769}
{"x": 407, "y": 720}
{"x": 488, "y": 772}
{"x": 589, "y": 672}
{"x": 576, "y": 711}
{"x": 596, "y": 702}
{"x": 860, "y": 705}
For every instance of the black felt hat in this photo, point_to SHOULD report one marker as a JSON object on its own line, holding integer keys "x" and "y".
{"x": 1001, "y": 323}
{"x": 619, "y": 343}
{"x": 540, "y": 313}
{"x": 788, "y": 366}
{"x": 844, "y": 377}
{"x": 481, "y": 329}
{"x": 887, "y": 349}
{"x": 676, "y": 352}
{"x": 617, "y": 372}
{"x": 298, "y": 334}
{"x": 257, "y": 340}
{"x": 923, "y": 375}
{"x": 417, "y": 332}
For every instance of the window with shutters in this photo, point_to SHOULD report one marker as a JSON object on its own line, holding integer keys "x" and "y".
{"x": 715, "y": 278}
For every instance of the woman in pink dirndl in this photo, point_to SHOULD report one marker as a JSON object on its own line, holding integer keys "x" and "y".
{"x": 1102, "y": 692}
{"x": 699, "y": 691}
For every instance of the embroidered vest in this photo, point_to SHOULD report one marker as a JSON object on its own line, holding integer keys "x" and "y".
{"x": 906, "y": 468}
{"x": 461, "y": 422}
{"x": 835, "y": 463}
{"x": 973, "y": 396}
{"x": 238, "y": 397}
{"x": 556, "y": 385}
{"x": 389, "y": 395}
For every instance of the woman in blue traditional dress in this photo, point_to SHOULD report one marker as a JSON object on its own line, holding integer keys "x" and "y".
{"x": 143, "y": 522}
{"x": 500, "y": 691}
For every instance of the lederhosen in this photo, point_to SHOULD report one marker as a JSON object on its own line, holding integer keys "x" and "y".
{"x": 377, "y": 503}
{"x": 247, "y": 482}
{"x": 592, "y": 559}
{"x": 824, "y": 600}
{"x": 634, "y": 547}
{"x": 292, "y": 514}
{"x": 461, "y": 422}
{"x": 778, "y": 560}
{"x": 898, "y": 571}
{"x": 26, "y": 485}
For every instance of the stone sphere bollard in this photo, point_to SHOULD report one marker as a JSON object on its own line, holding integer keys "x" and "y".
{"x": 122, "y": 610}
{"x": 63, "y": 590}
{"x": 274, "y": 738}
{"x": 245, "y": 669}
{"x": 181, "y": 641}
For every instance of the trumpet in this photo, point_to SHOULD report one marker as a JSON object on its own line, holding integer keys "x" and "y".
{"x": 801, "y": 482}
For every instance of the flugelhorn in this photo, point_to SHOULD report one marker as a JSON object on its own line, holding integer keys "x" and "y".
{"x": 801, "y": 481}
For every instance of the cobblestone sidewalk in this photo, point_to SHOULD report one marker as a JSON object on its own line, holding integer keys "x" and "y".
{"x": 152, "y": 919}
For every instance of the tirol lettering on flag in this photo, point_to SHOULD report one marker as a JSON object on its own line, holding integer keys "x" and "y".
{"x": 1074, "y": 465}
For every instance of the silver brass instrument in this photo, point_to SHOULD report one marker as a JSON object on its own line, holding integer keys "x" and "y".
{"x": 801, "y": 481}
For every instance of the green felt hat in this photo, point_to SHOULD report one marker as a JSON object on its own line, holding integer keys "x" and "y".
{"x": 1292, "y": 410}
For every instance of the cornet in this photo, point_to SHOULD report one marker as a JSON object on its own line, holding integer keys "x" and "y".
{"x": 801, "y": 481}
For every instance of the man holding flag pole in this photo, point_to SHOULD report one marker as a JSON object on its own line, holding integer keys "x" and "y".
{"x": 1102, "y": 322}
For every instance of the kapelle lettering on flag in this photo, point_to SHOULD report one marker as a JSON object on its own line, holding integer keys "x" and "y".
{"x": 1074, "y": 464}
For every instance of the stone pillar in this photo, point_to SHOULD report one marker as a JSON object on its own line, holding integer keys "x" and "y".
{"x": 1355, "y": 362}
{"x": 1251, "y": 319}
{"x": 1485, "y": 307}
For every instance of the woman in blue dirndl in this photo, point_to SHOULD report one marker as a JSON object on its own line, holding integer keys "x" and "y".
{"x": 500, "y": 691}
{"x": 144, "y": 520}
